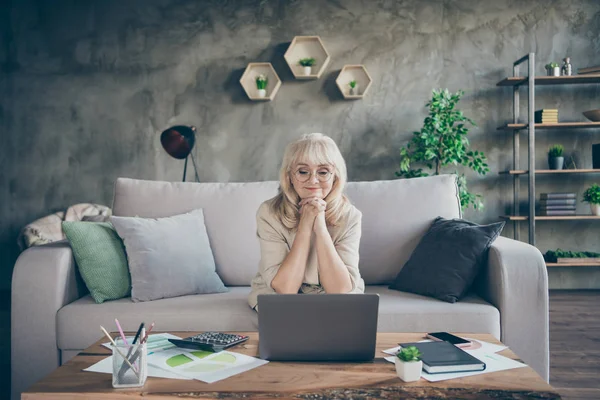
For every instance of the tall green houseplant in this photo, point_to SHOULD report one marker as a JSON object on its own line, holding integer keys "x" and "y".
{"x": 442, "y": 141}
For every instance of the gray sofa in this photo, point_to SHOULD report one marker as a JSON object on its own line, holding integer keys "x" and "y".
{"x": 53, "y": 316}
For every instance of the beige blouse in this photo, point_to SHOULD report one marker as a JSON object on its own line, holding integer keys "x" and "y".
{"x": 276, "y": 242}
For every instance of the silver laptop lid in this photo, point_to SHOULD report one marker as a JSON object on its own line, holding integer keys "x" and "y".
{"x": 317, "y": 327}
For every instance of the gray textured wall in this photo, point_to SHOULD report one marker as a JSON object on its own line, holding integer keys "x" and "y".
{"x": 87, "y": 87}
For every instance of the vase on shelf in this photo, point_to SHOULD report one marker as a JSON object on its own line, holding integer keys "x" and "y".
{"x": 262, "y": 93}
{"x": 556, "y": 162}
{"x": 354, "y": 90}
{"x": 307, "y": 70}
{"x": 595, "y": 209}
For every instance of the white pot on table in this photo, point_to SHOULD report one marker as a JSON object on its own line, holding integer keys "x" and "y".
{"x": 408, "y": 371}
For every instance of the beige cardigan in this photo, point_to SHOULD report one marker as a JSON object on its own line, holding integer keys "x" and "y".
{"x": 276, "y": 242}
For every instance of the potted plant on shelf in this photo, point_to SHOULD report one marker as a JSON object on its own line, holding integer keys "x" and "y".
{"x": 307, "y": 63}
{"x": 261, "y": 85}
{"x": 592, "y": 196}
{"x": 555, "y": 157}
{"x": 408, "y": 364}
{"x": 353, "y": 87}
{"x": 553, "y": 69}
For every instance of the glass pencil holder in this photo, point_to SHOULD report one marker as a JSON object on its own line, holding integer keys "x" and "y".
{"x": 130, "y": 365}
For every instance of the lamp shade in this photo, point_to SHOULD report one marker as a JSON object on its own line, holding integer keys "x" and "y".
{"x": 178, "y": 141}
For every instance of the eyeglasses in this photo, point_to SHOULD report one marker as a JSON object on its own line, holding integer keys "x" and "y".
{"x": 303, "y": 174}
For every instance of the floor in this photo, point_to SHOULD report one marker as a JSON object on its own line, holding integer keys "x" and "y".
{"x": 574, "y": 344}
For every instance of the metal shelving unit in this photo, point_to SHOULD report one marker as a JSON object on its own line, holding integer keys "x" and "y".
{"x": 516, "y": 81}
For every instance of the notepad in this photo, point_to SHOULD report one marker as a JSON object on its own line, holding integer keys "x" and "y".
{"x": 443, "y": 357}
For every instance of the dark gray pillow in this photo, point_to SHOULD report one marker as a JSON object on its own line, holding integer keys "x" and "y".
{"x": 447, "y": 259}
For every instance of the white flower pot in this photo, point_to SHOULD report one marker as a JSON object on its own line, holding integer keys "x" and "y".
{"x": 556, "y": 71}
{"x": 595, "y": 209}
{"x": 409, "y": 371}
{"x": 262, "y": 93}
{"x": 307, "y": 70}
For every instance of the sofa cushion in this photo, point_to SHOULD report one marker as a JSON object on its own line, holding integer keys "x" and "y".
{"x": 447, "y": 259}
{"x": 169, "y": 256}
{"x": 396, "y": 214}
{"x": 78, "y": 324}
{"x": 100, "y": 257}
{"x": 408, "y": 312}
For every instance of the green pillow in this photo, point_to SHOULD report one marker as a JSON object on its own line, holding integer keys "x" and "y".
{"x": 101, "y": 258}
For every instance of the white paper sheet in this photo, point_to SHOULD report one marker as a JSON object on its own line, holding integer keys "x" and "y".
{"x": 493, "y": 362}
{"x": 156, "y": 342}
{"x": 486, "y": 353}
{"x": 105, "y": 366}
{"x": 479, "y": 345}
{"x": 203, "y": 365}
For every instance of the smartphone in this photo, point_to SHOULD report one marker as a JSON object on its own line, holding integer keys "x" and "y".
{"x": 448, "y": 337}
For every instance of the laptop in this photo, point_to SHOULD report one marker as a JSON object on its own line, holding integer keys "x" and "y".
{"x": 317, "y": 327}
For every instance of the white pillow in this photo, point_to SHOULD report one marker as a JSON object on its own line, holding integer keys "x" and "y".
{"x": 168, "y": 257}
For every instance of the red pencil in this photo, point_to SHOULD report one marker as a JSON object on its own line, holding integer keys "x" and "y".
{"x": 147, "y": 333}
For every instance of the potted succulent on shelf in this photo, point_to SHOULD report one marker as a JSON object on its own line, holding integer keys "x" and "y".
{"x": 555, "y": 157}
{"x": 261, "y": 85}
{"x": 408, "y": 364}
{"x": 307, "y": 63}
{"x": 553, "y": 69}
{"x": 592, "y": 196}
{"x": 353, "y": 87}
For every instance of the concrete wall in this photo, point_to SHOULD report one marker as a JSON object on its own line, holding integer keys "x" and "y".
{"x": 87, "y": 87}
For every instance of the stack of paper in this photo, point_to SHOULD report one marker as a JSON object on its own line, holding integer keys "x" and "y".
{"x": 165, "y": 360}
{"x": 486, "y": 353}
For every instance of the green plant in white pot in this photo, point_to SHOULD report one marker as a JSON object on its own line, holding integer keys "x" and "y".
{"x": 261, "y": 85}
{"x": 307, "y": 64}
{"x": 556, "y": 159}
{"x": 553, "y": 69}
{"x": 353, "y": 87}
{"x": 409, "y": 364}
{"x": 592, "y": 196}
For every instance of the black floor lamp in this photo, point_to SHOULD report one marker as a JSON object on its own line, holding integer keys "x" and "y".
{"x": 179, "y": 141}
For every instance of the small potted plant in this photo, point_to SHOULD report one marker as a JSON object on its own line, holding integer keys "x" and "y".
{"x": 555, "y": 157}
{"x": 408, "y": 364}
{"x": 553, "y": 69}
{"x": 353, "y": 87}
{"x": 307, "y": 63}
{"x": 261, "y": 85}
{"x": 592, "y": 196}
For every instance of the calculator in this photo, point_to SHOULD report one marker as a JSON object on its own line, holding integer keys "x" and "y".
{"x": 210, "y": 341}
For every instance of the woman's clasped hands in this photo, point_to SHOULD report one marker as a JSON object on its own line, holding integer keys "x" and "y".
{"x": 312, "y": 213}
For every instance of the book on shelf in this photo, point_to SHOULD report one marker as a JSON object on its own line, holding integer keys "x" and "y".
{"x": 558, "y": 208}
{"x": 546, "y": 116}
{"x": 547, "y": 111}
{"x": 558, "y": 202}
{"x": 549, "y": 213}
{"x": 589, "y": 70}
{"x": 441, "y": 357}
{"x": 557, "y": 195}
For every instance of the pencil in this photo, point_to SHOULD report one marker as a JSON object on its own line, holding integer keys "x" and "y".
{"x": 119, "y": 351}
{"x": 147, "y": 333}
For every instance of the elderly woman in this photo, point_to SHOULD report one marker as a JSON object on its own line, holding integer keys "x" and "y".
{"x": 309, "y": 233}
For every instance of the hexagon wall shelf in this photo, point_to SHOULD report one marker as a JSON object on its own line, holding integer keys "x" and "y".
{"x": 303, "y": 47}
{"x": 248, "y": 81}
{"x": 350, "y": 73}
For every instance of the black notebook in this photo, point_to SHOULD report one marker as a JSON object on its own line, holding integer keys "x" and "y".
{"x": 442, "y": 357}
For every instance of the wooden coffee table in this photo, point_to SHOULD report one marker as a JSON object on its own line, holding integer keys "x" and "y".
{"x": 306, "y": 380}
